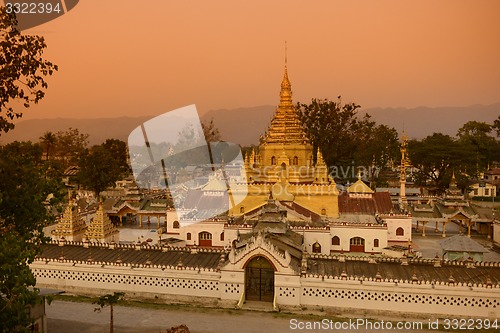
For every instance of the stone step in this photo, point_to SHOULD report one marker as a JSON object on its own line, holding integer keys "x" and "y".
{"x": 258, "y": 306}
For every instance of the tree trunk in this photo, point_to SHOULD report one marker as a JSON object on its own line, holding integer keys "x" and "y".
{"x": 111, "y": 319}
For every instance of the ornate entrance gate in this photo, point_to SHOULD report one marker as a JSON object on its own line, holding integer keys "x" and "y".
{"x": 259, "y": 280}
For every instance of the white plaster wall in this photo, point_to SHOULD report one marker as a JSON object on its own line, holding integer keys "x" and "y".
{"x": 496, "y": 232}
{"x": 403, "y": 297}
{"x": 393, "y": 224}
{"x": 320, "y": 236}
{"x": 232, "y": 285}
{"x": 293, "y": 290}
{"x": 287, "y": 289}
{"x": 368, "y": 233}
{"x": 98, "y": 279}
{"x": 214, "y": 228}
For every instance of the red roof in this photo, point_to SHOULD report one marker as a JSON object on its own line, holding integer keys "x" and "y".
{"x": 379, "y": 202}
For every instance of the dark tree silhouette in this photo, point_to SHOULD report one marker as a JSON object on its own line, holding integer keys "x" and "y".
{"x": 22, "y": 70}
{"x": 108, "y": 300}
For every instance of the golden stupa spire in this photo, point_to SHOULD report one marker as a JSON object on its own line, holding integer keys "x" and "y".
{"x": 285, "y": 126}
{"x": 286, "y": 87}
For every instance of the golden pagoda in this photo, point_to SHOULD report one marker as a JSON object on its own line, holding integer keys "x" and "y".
{"x": 101, "y": 228}
{"x": 70, "y": 226}
{"x": 283, "y": 166}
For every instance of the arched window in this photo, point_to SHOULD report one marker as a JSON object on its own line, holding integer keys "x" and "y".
{"x": 222, "y": 236}
{"x": 323, "y": 211}
{"x": 335, "y": 240}
{"x": 188, "y": 236}
{"x": 176, "y": 225}
{"x": 273, "y": 160}
{"x": 357, "y": 241}
{"x": 242, "y": 210}
{"x": 283, "y": 166}
{"x": 316, "y": 248}
{"x": 376, "y": 242}
{"x": 295, "y": 160}
{"x": 205, "y": 235}
{"x": 400, "y": 232}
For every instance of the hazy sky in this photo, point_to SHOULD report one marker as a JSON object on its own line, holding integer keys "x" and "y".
{"x": 124, "y": 57}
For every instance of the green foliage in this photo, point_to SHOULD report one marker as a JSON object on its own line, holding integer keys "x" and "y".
{"x": 331, "y": 127}
{"x": 69, "y": 146}
{"x": 344, "y": 138}
{"x": 24, "y": 190}
{"x": 102, "y": 165}
{"x": 479, "y": 136}
{"x": 22, "y": 70}
{"x": 108, "y": 299}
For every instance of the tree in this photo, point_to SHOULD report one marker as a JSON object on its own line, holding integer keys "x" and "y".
{"x": 496, "y": 126}
{"x": 22, "y": 70}
{"x": 376, "y": 146}
{"x": 70, "y": 145}
{"x": 48, "y": 141}
{"x": 437, "y": 156}
{"x": 100, "y": 167}
{"x": 479, "y": 135}
{"x": 211, "y": 132}
{"x": 119, "y": 150}
{"x": 331, "y": 127}
{"x": 109, "y": 300}
{"x": 23, "y": 214}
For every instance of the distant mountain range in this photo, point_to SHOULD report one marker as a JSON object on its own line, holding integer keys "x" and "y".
{"x": 245, "y": 125}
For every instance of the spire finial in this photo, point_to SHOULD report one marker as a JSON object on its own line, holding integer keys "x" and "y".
{"x": 285, "y": 53}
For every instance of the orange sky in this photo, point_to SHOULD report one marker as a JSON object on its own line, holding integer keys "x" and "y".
{"x": 124, "y": 57}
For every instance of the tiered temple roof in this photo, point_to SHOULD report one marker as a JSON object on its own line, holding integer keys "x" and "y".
{"x": 101, "y": 228}
{"x": 70, "y": 226}
{"x": 285, "y": 126}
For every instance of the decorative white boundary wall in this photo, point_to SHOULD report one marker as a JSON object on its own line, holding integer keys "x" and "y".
{"x": 184, "y": 283}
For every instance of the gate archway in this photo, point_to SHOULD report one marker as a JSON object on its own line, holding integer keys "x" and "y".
{"x": 259, "y": 280}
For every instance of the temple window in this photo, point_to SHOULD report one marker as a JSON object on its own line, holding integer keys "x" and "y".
{"x": 316, "y": 248}
{"x": 295, "y": 160}
{"x": 376, "y": 242}
{"x": 357, "y": 241}
{"x": 323, "y": 211}
{"x": 242, "y": 210}
{"x": 400, "y": 232}
{"x": 222, "y": 236}
{"x": 176, "y": 225}
{"x": 335, "y": 240}
{"x": 188, "y": 236}
{"x": 273, "y": 160}
{"x": 205, "y": 235}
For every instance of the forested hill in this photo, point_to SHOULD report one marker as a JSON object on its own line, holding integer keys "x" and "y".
{"x": 244, "y": 125}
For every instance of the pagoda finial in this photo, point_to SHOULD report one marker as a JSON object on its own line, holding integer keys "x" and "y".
{"x": 285, "y": 53}
{"x": 319, "y": 158}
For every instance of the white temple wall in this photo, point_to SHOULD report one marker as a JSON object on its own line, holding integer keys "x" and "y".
{"x": 345, "y": 233}
{"x": 496, "y": 232}
{"x": 232, "y": 285}
{"x": 290, "y": 290}
{"x": 445, "y": 300}
{"x": 287, "y": 289}
{"x": 320, "y": 236}
{"x": 97, "y": 280}
{"x": 400, "y": 222}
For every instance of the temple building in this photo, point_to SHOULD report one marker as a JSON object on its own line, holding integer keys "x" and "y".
{"x": 283, "y": 167}
{"x": 70, "y": 226}
{"x": 101, "y": 229}
{"x": 452, "y": 208}
{"x": 293, "y": 242}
